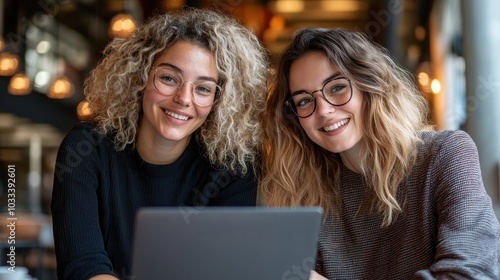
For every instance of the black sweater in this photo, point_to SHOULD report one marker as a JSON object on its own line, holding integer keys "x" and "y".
{"x": 97, "y": 191}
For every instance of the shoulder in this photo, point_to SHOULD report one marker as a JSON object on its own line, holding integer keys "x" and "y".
{"x": 83, "y": 138}
{"x": 449, "y": 156}
{"x": 79, "y": 130}
{"x": 447, "y": 140}
{"x": 443, "y": 135}
{"x": 442, "y": 152}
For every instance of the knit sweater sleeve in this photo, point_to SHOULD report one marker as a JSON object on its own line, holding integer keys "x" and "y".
{"x": 79, "y": 245}
{"x": 468, "y": 230}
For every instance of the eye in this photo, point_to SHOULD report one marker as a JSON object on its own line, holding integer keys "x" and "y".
{"x": 205, "y": 88}
{"x": 168, "y": 76}
{"x": 302, "y": 100}
{"x": 335, "y": 87}
{"x": 168, "y": 79}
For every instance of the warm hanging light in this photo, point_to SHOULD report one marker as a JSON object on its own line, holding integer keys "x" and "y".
{"x": 20, "y": 84}
{"x": 122, "y": 25}
{"x": 436, "y": 86}
{"x": 9, "y": 64}
{"x": 342, "y": 6}
{"x": 83, "y": 110}
{"x": 277, "y": 23}
{"x": 420, "y": 33}
{"x": 423, "y": 79}
{"x": 290, "y": 6}
{"x": 60, "y": 88}
{"x": 174, "y": 4}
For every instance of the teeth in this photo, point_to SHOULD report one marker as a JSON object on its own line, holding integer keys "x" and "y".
{"x": 177, "y": 116}
{"x": 335, "y": 126}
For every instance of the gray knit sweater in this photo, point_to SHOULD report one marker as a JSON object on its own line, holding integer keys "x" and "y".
{"x": 448, "y": 229}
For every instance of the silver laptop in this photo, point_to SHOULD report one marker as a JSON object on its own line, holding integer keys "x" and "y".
{"x": 244, "y": 243}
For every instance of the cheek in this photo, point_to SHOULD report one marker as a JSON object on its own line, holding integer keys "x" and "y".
{"x": 151, "y": 98}
{"x": 204, "y": 112}
{"x": 146, "y": 100}
{"x": 307, "y": 123}
{"x": 359, "y": 104}
{"x": 359, "y": 113}
{"x": 148, "y": 97}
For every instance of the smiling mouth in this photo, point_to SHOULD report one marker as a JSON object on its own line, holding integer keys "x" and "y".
{"x": 176, "y": 116}
{"x": 335, "y": 126}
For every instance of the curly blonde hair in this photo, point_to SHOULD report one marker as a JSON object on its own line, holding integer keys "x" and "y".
{"x": 394, "y": 113}
{"x": 232, "y": 132}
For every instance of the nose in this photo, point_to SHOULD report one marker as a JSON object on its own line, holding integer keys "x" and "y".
{"x": 323, "y": 108}
{"x": 183, "y": 95}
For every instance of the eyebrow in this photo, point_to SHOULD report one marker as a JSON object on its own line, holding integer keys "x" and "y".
{"x": 177, "y": 69}
{"x": 328, "y": 79}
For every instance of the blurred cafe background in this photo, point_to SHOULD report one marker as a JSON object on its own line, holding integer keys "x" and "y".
{"x": 48, "y": 47}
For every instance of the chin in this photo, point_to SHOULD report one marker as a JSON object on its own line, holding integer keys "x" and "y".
{"x": 168, "y": 135}
{"x": 337, "y": 148}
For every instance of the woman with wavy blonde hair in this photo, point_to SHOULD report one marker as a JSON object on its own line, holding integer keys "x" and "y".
{"x": 177, "y": 110}
{"x": 345, "y": 129}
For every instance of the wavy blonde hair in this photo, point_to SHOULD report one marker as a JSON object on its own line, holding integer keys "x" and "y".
{"x": 297, "y": 172}
{"x": 232, "y": 132}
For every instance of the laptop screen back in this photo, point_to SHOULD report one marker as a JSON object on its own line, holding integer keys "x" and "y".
{"x": 225, "y": 243}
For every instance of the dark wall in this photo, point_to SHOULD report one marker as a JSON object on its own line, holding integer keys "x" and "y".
{"x": 38, "y": 108}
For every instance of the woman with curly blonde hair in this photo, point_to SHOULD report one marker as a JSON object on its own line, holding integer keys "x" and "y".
{"x": 176, "y": 123}
{"x": 345, "y": 129}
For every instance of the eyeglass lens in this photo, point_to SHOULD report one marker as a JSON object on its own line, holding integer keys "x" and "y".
{"x": 168, "y": 81}
{"x": 337, "y": 92}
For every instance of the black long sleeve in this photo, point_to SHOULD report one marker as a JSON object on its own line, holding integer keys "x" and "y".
{"x": 97, "y": 191}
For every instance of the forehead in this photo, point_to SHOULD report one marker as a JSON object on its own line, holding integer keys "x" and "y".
{"x": 186, "y": 56}
{"x": 186, "y": 52}
{"x": 310, "y": 71}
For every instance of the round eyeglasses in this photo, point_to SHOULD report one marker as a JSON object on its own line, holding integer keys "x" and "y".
{"x": 336, "y": 92}
{"x": 168, "y": 81}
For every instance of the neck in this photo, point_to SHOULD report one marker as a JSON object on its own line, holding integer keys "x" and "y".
{"x": 157, "y": 150}
{"x": 351, "y": 159}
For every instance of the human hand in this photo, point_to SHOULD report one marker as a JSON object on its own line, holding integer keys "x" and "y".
{"x": 103, "y": 277}
{"x": 315, "y": 276}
